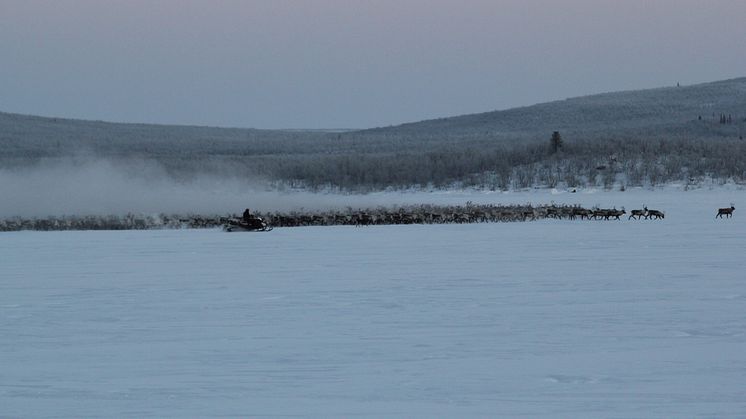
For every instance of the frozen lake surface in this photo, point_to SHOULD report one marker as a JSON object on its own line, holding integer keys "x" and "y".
{"x": 541, "y": 319}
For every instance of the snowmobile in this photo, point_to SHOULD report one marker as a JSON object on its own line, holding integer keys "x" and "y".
{"x": 252, "y": 224}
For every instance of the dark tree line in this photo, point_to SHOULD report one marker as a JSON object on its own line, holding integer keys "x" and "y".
{"x": 601, "y": 162}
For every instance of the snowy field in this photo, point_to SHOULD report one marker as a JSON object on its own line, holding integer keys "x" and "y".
{"x": 539, "y": 319}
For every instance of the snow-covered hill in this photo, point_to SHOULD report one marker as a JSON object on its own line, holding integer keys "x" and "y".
{"x": 669, "y": 111}
{"x": 644, "y": 137}
{"x": 666, "y": 111}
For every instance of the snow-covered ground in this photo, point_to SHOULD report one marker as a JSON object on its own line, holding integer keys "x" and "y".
{"x": 538, "y": 319}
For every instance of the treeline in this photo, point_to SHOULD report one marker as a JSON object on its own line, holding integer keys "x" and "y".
{"x": 497, "y": 164}
{"x": 600, "y": 162}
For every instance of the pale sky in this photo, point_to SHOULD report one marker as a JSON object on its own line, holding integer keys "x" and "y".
{"x": 349, "y": 63}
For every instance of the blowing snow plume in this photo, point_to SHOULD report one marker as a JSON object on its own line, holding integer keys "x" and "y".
{"x": 89, "y": 186}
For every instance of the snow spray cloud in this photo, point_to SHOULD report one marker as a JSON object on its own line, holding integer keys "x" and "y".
{"x": 90, "y": 186}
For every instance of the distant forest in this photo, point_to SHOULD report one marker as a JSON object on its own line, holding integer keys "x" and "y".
{"x": 578, "y": 163}
{"x": 649, "y": 137}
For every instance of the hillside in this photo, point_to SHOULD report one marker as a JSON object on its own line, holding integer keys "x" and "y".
{"x": 645, "y": 136}
{"x": 35, "y": 136}
{"x": 668, "y": 110}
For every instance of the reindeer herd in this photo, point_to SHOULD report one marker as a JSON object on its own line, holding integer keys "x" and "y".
{"x": 415, "y": 214}
{"x": 573, "y": 213}
{"x": 615, "y": 214}
{"x": 471, "y": 213}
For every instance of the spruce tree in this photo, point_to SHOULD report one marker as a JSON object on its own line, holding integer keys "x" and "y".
{"x": 556, "y": 142}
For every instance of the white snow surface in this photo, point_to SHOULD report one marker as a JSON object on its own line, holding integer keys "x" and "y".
{"x": 538, "y": 319}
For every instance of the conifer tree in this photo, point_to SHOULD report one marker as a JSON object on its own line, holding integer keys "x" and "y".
{"x": 556, "y": 142}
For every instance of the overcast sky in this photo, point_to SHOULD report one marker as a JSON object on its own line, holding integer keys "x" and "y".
{"x": 348, "y": 63}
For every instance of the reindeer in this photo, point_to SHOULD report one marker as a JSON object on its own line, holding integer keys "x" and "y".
{"x": 580, "y": 212}
{"x": 728, "y": 212}
{"x": 614, "y": 213}
{"x": 363, "y": 219}
{"x": 659, "y": 215}
{"x": 638, "y": 214}
{"x": 599, "y": 214}
{"x": 507, "y": 215}
{"x": 553, "y": 212}
{"x": 526, "y": 213}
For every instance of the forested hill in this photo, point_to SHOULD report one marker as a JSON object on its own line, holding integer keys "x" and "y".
{"x": 669, "y": 112}
{"x": 663, "y": 111}
{"x": 35, "y": 136}
{"x": 635, "y": 137}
